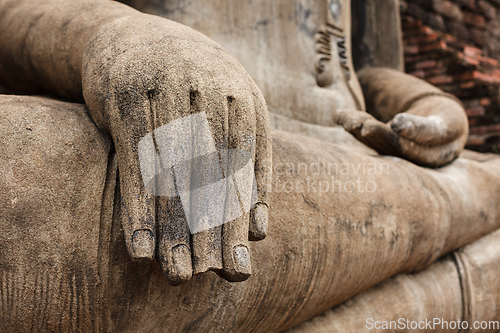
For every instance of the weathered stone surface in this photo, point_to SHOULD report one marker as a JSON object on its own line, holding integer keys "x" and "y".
{"x": 53, "y": 178}
{"x": 315, "y": 238}
{"x": 132, "y": 84}
{"x": 258, "y": 43}
{"x": 377, "y": 40}
{"x": 461, "y": 287}
{"x": 138, "y": 73}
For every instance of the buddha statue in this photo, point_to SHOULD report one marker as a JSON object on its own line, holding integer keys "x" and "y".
{"x": 340, "y": 195}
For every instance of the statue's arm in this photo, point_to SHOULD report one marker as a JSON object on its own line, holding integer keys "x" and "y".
{"x": 137, "y": 73}
{"x": 43, "y": 43}
{"x": 408, "y": 117}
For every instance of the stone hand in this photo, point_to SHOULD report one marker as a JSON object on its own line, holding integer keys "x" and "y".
{"x": 407, "y": 117}
{"x": 191, "y": 133}
{"x": 431, "y": 133}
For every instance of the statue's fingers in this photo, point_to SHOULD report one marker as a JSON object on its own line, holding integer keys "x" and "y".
{"x": 239, "y": 177}
{"x": 196, "y": 181}
{"x": 235, "y": 250}
{"x": 205, "y": 203}
{"x": 351, "y": 120}
{"x": 430, "y": 130}
{"x": 380, "y": 137}
{"x": 263, "y": 171}
{"x": 185, "y": 135}
{"x": 141, "y": 161}
{"x": 174, "y": 249}
{"x": 137, "y": 203}
{"x": 207, "y": 250}
{"x": 137, "y": 213}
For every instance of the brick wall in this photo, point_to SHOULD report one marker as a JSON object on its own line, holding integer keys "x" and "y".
{"x": 455, "y": 45}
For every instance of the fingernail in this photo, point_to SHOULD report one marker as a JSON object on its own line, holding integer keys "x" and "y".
{"x": 398, "y": 122}
{"x": 241, "y": 259}
{"x": 181, "y": 262}
{"x": 402, "y": 123}
{"x": 366, "y": 129}
{"x": 409, "y": 126}
{"x": 258, "y": 227}
{"x": 143, "y": 244}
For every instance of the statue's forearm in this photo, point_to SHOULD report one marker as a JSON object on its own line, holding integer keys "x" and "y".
{"x": 42, "y": 43}
{"x": 431, "y": 125}
{"x": 389, "y": 92}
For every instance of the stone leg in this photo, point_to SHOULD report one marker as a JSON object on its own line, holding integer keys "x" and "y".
{"x": 340, "y": 223}
{"x": 459, "y": 293}
{"x": 55, "y": 191}
{"x": 324, "y": 245}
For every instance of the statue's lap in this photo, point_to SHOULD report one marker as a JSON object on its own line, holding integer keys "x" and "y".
{"x": 53, "y": 170}
{"x": 64, "y": 266}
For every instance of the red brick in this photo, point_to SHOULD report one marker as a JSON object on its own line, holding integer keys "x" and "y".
{"x": 473, "y": 121}
{"x": 411, "y": 49}
{"x": 468, "y": 60}
{"x": 473, "y": 75}
{"x": 436, "y": 21}
{"x": 472, "y": 61}
{"x": 426, "y": 64}
{"x": 475, "y": 111}
{"x": 495, "y": 73}
{"x": 420, "y": 74}
{"x": 488, "y": 9}
{"x": 486, "y": 129}
{"x": 488, "y": 77}
{"x": 488, "y": 62}
{"x": 467, "y": 3}
{"x": 408, "y": 25}
{"x": 478, "y": 36}
{"x": 475, "y": 140}
{"x": 441, "y": 45}
{"x": 449, "y": 38}
{"x": 436, "y": 71}
{"x": 469, "y": 103}
{"x": 493, "y": 128}
{"x": 467, "y": 85}
{"x": 412, "y": 58}
{"x": 478, "y": 130}
{"x": 441, "y": 79}
{"x": 474, "y": 19}
{"x": 421, "y": 39}
{"x": 485, "y": 101}
{"x": 458, "y": 29}
{"x": 460, "y": 48}
{"x": 425, "y": 30}
{"x": 472, "y": 51}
